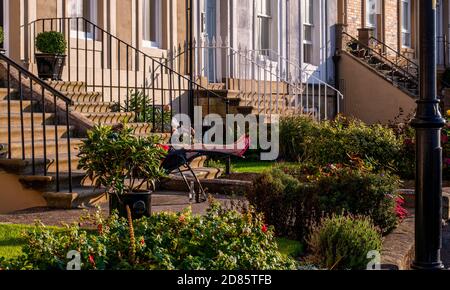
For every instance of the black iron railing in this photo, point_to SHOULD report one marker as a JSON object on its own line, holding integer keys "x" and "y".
{"x": 37, "y": 123}
{"x": 154, "y": 88}
{"x": 405, "y": 77}
{"x": 396, "y": 57}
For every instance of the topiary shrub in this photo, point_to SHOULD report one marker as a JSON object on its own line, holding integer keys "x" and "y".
{"x": 220, "y": 240}
{"x": 51, "y": 42}
{"x": 344, "y": 242}
{"x": 294, "y": 198}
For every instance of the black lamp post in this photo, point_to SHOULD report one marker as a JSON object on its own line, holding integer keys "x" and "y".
{"x": 428, "y": 124}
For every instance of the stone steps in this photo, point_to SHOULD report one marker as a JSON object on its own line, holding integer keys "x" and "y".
{"x": 50, "y": 148}
{"x": 16, "y": 133}
{"x": 16, "y": 119}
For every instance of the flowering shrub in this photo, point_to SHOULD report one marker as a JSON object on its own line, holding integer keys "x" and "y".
{"x": 343, "y": 242}
{"x": 220, "y": 240}
{"x": 293, "y": 198}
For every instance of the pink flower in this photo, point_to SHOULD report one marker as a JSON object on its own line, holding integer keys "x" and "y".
{"x": 164, "y": 147}
{"x": 444, "y": 139}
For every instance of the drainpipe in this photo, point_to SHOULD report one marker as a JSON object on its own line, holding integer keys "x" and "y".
{"x": 340, "y": 28}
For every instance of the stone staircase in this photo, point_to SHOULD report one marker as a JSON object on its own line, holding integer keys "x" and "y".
{"x": 401, "y": 73}
{"x": 272, "y": 99}
{"x": 27, "y": 140}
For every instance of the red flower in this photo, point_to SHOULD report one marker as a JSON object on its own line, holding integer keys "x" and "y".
{"x": 444, "y": 139}
{"x": 265, "y": 229}
{"x": 400, "y": 211}
{"x": 182, "y": 218}
{"x": 164, "y": 147}
{"x": 92, "y": 260}
{"x": 142, "y": 242}
{"x": 100, "y": 229}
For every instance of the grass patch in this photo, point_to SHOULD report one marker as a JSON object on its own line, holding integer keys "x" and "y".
{"x": 12, "y": 239}
{"x": 290, "y": 248}
{"x": 243, "y": 166}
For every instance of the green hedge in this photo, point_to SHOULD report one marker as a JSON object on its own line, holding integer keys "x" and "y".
{"x": 293, "y": 198}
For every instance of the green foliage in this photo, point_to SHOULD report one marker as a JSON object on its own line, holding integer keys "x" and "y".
{"x": 52, "y": 42}
{"x": 120, "y": 161}
{"x": 297, "y": 132}
{"x": 142, "y": 105}
{"x": 292, "y": 198}
{"x": 340, "y": 141}
{"x": 343, "y": 242}
{"x": 220, "y": 240}
{"x": 2, "y": 35}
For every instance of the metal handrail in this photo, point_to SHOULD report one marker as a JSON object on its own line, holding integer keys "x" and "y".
{"x": 296, "y": 64}
{"x": 296, "y": 88}
{"x": 398, "y": 55}
{"x": 395, "y": 68}
{"x": 137, "y": 62}
{"x": 34, "y": 82}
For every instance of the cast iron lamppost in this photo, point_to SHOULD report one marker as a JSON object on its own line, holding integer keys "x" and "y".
{"x": 428, "y": 124}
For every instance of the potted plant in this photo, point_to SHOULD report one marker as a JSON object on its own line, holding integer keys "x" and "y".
{"x": 51, "y": 59}
{"x": 127, "y": 166}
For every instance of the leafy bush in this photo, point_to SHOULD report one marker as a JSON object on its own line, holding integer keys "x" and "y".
{"x": 52, "y": 42}
{"x": 220, "y": 240}
{"x": 343, "y": 139}
{"x": 111, "y": 158}
{"x": 2, "y": 35}
{"x": 142, "y": 105}
{"x": 343, "y": 242}
{"x": 294, "y": 198}
{"x": 296, "y": 133}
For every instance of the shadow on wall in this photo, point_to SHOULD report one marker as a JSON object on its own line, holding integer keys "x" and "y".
{"x": 14, "y": 197}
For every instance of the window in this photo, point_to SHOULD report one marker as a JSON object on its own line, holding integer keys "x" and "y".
{"x": 371, "y": 13}
{"x": 406, "y": 23}
{"x": 264, "y": 26}
{"x": 82, "y": 9}
{"x": 152, "y": 23}
{"x": 308, "y": 30}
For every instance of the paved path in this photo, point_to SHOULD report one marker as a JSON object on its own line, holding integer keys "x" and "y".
{"x": 168, "y": 202}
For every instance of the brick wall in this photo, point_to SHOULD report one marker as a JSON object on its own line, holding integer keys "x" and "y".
{"x": 354, "y": 16}
{"x": 392, "y": 15}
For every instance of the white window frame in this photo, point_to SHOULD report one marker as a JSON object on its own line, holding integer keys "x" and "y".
{"x": 406, "y": 30}
{"x": 93, "y": 10}
{"x": 369, "y": 12}
{"x": 157, "y": 22}
{"x": 269, "y": 18}
{"x": 309, "y": 25}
